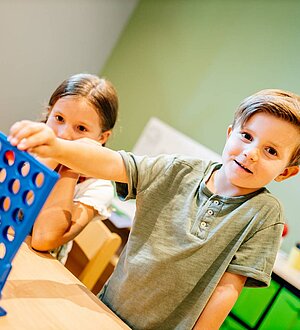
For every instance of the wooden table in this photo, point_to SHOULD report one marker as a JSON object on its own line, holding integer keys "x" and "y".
{"x": 40, "y": 293}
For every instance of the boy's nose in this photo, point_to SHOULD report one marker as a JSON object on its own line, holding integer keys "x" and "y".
{"x": 252, "y": 153}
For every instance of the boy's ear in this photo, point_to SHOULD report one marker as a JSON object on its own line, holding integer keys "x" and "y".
{"x": 287, "y": 173}
{"x": 104, "y": 136}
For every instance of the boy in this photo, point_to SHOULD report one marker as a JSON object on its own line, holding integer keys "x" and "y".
{"x": 202, "y": 230}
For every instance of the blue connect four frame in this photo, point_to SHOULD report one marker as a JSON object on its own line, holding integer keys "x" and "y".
{"x": 25, "y": 184}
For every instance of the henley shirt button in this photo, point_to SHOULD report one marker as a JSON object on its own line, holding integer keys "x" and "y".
{"x": 210, "y": 212}
{"x": 203, "y": 224}
{"x": 216, "y": 202}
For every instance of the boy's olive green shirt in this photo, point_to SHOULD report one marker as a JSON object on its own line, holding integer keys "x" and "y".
{"x": 183, "y": 239}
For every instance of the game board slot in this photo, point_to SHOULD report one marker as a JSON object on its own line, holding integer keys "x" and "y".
{"x": 18, "y": 214}
{"x": 24, "y": 168}
{"x": 28, "y": 197}
{"x": 2, "y": 250}
{"x": 5, "y": 203}
{"x": 9, "y": 233}
{"x": 14, "y": 186}
{"x": 2, "y": 175}
{"x": 9, "y": 157}
{"x": 38, "y": 179}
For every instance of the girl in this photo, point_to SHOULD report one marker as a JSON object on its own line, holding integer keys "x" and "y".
{"x": 82, "y": 106}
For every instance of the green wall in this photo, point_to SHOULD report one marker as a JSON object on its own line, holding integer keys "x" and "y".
{"x": 190, "y": 63}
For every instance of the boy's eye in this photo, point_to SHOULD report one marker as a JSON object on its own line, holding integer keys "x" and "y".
{"x": 271, "y": 151}
{"x": 82, "y": 128}
{"x": 59, "y": 118}
{"x": 246, "y": 136}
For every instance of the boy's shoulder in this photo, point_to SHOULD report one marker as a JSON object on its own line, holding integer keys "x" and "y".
{"x": 268, "y": 203}
{"x": 266, "y": 195}
{"x": 195, "y": 165}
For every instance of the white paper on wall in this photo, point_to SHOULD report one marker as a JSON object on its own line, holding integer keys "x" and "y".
{"x": 160, "y": 138}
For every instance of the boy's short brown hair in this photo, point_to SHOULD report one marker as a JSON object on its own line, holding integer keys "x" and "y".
{"x": 276, "y": 102}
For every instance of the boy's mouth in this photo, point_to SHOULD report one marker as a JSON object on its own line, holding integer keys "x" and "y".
{"x": 243, "y": 167}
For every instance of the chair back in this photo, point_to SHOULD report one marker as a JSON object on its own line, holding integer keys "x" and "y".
{"x": 99, "y": 245}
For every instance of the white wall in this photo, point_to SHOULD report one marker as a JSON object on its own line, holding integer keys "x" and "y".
{"x": 42, "y": 42}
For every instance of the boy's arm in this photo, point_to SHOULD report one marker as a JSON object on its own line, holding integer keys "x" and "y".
{"x": 221, "y": 302}
{"x": 84, "y": 156}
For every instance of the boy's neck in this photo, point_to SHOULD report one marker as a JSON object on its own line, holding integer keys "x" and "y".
{"x": 218, "y": 185}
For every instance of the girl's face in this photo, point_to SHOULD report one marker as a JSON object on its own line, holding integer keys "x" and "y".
{"x": 72, "y": 118}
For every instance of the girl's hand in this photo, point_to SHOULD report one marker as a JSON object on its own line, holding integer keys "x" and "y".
{"x": 37, "y": 138}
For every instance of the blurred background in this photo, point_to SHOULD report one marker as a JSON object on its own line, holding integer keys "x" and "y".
{"x": 186, "y": 62}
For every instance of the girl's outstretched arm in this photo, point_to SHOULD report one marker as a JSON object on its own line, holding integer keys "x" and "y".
{"x": 84, "y": 156}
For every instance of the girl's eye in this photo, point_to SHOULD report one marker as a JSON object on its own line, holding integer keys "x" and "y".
{"x": 59, "y": 118}
{"x": 246, "y": 136}
{"x": 82, "y": 128}
{"x": 271, "y": 151}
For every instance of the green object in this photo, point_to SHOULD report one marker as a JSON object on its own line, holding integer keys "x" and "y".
{"x": 284, "y": 313}
{"x": 252, "y": 303}
{"x": 231, "y": 324}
